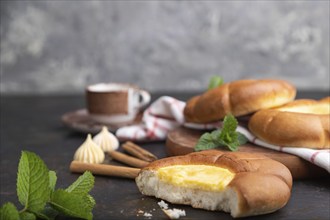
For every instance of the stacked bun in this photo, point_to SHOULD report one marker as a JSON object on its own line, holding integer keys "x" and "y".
{"x": 276, "y": 119}
{"x": 301, "y": 123}
{"x": 239, "y": 98}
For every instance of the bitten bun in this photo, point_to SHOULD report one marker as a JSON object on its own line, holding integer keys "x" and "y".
{"x": 301, "y": 123}
{"x": 239, "y": 98}
{"x": 260, "y": 185}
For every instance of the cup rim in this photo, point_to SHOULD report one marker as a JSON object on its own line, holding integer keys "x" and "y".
{"x": 122, "y": 86}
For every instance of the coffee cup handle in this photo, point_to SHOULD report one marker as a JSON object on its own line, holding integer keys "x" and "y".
{"x": 145, "y": 98}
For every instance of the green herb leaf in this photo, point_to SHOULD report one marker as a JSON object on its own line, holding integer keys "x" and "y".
{"x": 27, "y": 216}
{"x": 71, "y": 204}
{"x": 90, "y": 201}
{"x": 82, "y": 185}
{"x": 241, "y": 139}
{"x": 9, "y": 211}
{"x": 225, "y": 137}
{"x": 48, "y": 213}
{"x": 215, "y": 81}
{"x": 205, "y": 142}
{"x": 233, "y": 146}
{"x": 36, "y": 187}
{"x": 215, "y": 135}
{"x": 32, "y": 182}
{"x": 52, "y": 180}
{"x": 228, "y": 131}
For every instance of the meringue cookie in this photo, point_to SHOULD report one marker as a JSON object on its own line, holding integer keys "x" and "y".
{"x": 106, "y": 140}
{"x": 89, "y": 152}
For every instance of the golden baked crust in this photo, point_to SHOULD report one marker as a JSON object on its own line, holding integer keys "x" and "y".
{"x": 239, "y": 98}
{"x": 260, "y": 185}
{"x": 301, "y": 123}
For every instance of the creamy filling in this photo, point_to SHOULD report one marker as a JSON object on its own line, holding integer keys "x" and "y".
{"x": 203, "y": 177}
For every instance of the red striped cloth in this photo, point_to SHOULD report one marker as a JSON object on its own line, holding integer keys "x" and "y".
{"x": 166, "y": 114}
{"x": 163, "y": 115}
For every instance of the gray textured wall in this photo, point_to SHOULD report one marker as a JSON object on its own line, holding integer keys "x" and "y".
{"x": 61, "y": 46}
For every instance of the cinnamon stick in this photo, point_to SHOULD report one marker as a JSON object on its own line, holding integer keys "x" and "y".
{"x": 138, "y": 151}
{"x": 104, "y": 169}
{"x": 132, "y": 161}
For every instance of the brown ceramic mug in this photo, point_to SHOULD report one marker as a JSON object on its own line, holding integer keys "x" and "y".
{"x": 115, "y": 102}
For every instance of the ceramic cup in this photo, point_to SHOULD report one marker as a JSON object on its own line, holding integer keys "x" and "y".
{"x": 115, "y": 102}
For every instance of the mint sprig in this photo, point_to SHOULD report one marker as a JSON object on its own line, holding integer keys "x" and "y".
{"x": 36, "y": 192}
{"x": 226, "y": 137}
{"x": 215, "y": 81}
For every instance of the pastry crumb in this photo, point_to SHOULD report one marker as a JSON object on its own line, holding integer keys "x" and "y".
{"x": 171, "y": 213}
{"x": 143, "y": 213}
{"x": 146, "y": 214}
{"x": 163, "y": 205}
{"x": 174, "y": 213}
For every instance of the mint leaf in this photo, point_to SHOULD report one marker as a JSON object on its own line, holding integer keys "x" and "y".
{"x": 32, "y": 182}
{"x": 228, "y": 134}
{"x": 52, "y": 180}
{"x": 241, "y": 138}
{"x": 9, "y": 212}
{"x": 46, "y": 215}
{"x": 205, "y": 142}
{"x": 215, "y": 135}
{"x": 50, "y": 212}
{"x": 90, "y": 201}
{"x": 83, "y": 184}
{"x": 27, "y": 216}
{"x": 72, "y": 204}
{"x": 233, "y": 146}
{"x": 215, "y": 81}
{"x": 225, "y": 137}
{"x": 228, "y": 131}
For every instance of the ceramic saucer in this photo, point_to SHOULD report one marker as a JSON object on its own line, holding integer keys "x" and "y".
{"x": 81, "y": 121}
